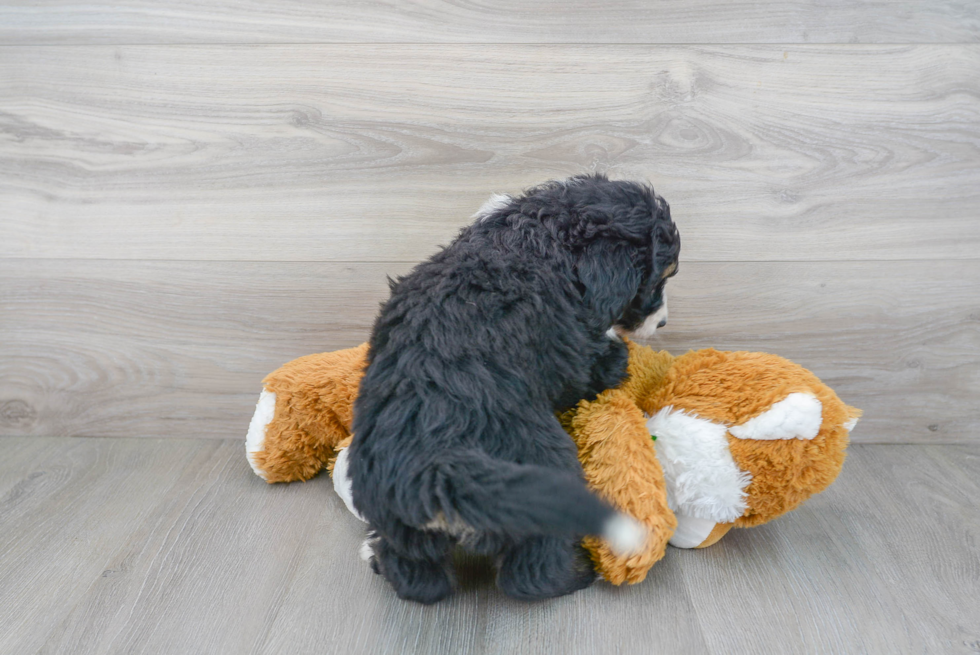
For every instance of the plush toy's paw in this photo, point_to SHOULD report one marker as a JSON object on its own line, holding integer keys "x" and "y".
{"x": 265, "y": 411}
{"x": 693, "y": 532}
{"x": 620, "y": 463}
{"x": 630, "y": 569}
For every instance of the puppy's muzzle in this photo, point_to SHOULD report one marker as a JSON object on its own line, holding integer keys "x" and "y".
{"x": 653, "y": 322}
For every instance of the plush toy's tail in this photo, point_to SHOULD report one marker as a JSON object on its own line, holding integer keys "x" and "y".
{"x": 303, "y": 414}
{"x": 474, "y": 492}
{"x": 265, "y": 411}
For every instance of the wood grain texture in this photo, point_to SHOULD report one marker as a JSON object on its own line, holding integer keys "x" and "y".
{"x": 510, "y": 21}
{"x": 378, "y": 153}
{"x": 65, "y": 517}
{"x": 154, "y": 546}
{"x": 178, "y": 349}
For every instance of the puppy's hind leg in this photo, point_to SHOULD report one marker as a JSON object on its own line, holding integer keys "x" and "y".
{"x": 544, "y": 567}
{"x": 417, "y": 564}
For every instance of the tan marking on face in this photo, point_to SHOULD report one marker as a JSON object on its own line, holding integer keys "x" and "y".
{"x": 670, "y": 271}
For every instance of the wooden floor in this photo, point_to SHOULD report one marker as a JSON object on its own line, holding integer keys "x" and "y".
{"x": 174, "y": 546}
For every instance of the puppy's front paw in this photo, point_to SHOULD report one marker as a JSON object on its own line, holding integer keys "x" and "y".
{"x": 609, "y": 369}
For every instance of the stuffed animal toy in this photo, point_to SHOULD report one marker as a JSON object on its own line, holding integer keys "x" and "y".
{"x": 691, "y": 446}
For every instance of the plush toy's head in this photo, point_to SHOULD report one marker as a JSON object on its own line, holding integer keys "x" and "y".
{"x": 690, "y": 446}
{"x": 784, "y": 428}
{"x": 741, "y": 437}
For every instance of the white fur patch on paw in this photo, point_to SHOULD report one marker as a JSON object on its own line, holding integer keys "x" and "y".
{"x": 625, "y": 535}
{"x": 342, "y": 482}
{"x": 701, "y": 476}
{"x": 691, "y": 531}
{"x": 797, "y": 416}
{"x": 366, "y": 551}
{"x": 265, "y": 411}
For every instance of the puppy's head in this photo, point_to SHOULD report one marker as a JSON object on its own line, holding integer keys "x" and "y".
{"x": 624, "y": 244}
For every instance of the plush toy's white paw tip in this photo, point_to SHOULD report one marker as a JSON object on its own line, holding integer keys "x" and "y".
{"x": 265, "y": 411}
{"x": 625, "y": 535}
{"x": 691, "y": 531}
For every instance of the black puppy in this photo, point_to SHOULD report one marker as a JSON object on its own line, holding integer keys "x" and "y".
{"x": 455, "y": 434}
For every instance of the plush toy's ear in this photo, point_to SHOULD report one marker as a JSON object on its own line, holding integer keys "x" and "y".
{"x": 607, "y": 278}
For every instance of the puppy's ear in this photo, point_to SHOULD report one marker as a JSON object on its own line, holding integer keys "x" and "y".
{"x": 607, "y": 278}
{"x": 665, "y": 243}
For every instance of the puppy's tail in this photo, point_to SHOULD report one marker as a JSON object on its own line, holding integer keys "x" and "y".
{"x": 493, "y": 495}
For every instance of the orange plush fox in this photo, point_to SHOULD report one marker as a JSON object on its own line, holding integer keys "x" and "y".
{"x": 691, "y": 446}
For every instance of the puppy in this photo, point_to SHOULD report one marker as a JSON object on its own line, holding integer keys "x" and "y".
{"x": 455, "y": 434}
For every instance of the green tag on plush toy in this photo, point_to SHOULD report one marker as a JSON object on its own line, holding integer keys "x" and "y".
{"x": 653, "y": 436}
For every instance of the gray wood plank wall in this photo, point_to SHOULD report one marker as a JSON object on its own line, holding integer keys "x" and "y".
{"x": 191, "y": 195}
{"x": 502, "y": 21}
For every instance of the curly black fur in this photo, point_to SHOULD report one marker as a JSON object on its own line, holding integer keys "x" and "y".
{"x": 456, "y": 439}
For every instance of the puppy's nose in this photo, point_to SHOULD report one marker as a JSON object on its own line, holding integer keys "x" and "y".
{"x": 661, "y": 323}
